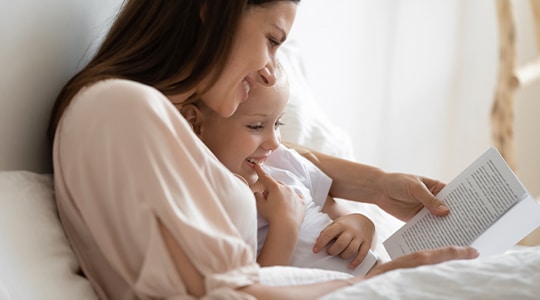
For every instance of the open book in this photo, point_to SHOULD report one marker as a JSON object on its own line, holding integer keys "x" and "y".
{"x": 490, "y": 210}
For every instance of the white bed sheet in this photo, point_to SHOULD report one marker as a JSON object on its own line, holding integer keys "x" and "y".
{"x": 513, "y": 275}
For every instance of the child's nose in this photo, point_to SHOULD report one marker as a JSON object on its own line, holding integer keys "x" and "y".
{"x": 272, "y": 142}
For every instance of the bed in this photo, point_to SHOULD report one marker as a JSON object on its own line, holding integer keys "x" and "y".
{"x": 36, "y": 261}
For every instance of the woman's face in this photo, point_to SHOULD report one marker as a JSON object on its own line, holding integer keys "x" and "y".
{"x": 262, "y": 30}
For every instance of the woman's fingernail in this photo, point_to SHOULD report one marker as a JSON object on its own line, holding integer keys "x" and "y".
{"x": 443, "y": 208}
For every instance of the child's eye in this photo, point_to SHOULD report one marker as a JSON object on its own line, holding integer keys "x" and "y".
{"x": 255, "y": 127}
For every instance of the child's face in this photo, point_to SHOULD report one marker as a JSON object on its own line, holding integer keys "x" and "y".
{"x": 250, "y": 134}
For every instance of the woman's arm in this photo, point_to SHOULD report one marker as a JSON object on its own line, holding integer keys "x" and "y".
{"x": 401, "y": 195}
{"x": 298, "y": 292}
{"x": 313, "y": 291}
{"x": 335, "y": 209}
{"x": 279, "y": 245}
{"x": 194, "y": 281}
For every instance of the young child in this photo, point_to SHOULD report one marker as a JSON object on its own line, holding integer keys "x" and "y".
{"x": 251, "y": 136}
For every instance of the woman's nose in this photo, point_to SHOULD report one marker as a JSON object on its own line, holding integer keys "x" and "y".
{"x": 266, "y": 76}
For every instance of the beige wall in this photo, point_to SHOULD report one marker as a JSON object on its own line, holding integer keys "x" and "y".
{"x": 527, "y": 125}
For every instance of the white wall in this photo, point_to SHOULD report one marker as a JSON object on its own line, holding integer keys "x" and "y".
{"x": 413, "y": 81}
{"x": 42, "y": 44}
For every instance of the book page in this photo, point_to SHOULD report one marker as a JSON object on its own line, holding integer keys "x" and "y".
{"x": 507, "y": 231}
{"x": 477, "y": 198}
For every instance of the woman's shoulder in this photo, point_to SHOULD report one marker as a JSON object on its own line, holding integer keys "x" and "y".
{"x": 119, "y": 95}
{"x": 119, "y": 90}
{"x": 107, "y": 102}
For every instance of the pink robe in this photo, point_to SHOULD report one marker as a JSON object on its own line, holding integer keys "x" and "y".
{"x": 124, "y": 158}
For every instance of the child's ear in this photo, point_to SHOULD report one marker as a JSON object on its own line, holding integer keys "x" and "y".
{"x": 194, "y": 117}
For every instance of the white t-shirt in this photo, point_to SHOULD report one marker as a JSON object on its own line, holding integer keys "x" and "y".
{"x": 306, "y": 179}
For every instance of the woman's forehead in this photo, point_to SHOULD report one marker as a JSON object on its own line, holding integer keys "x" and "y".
{"x": 280, "y": 14}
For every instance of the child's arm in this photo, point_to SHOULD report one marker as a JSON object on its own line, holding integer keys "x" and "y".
{"x": 284, "y": 211}
{"x": 279, "y": 245}
{"x": 334, "y": 209}
{"x": 351, "y": 234}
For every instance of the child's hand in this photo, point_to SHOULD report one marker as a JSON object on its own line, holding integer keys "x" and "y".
{"x": 348, "y": 236}
{"x": 277, "y": 202}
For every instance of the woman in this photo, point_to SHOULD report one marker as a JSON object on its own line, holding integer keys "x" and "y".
{"x": 149, "y": 211}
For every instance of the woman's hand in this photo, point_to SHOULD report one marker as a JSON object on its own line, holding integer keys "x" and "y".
{"x": 427, "y": 257}
{"x": 277, "y": 202}
{"x": 348, "y": 236}
{"x": 403, "y": 195}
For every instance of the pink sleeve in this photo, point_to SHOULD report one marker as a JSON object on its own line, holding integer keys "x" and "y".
{"x": 125, "y": 159}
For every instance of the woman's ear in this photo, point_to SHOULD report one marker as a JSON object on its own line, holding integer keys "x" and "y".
{"x": 194, "y": 117}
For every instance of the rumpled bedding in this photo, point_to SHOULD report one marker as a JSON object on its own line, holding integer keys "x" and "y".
{"x": 513, "y": 275}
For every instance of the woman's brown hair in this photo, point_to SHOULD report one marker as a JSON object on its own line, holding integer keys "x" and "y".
{"x": 170, "y": 45}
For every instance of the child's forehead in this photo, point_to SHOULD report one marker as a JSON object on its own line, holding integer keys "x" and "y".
{"x": 265, "y": 99}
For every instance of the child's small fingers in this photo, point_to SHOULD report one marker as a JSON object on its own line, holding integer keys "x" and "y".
{"x": 362, "y": 253}
{"x": 326, "y": 237}
{"x": 264, "y": 178}
{"x": 257, "y": 187}
{"x": 259, "y": 196}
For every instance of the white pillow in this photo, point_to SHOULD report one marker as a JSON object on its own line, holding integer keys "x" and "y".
{"x": 36, "y": 261}
{"x": 305, "y": 122}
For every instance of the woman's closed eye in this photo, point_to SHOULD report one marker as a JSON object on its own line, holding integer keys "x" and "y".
{"x": 274, "y": 42}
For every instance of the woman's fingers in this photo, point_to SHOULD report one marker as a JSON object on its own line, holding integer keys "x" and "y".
{"x": 425, "y": 192}
{"x": 427, "y": 257}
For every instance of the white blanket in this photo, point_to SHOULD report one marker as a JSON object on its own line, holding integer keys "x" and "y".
{"x": 36, "y": 252}
{"x": 514, "y": 275}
